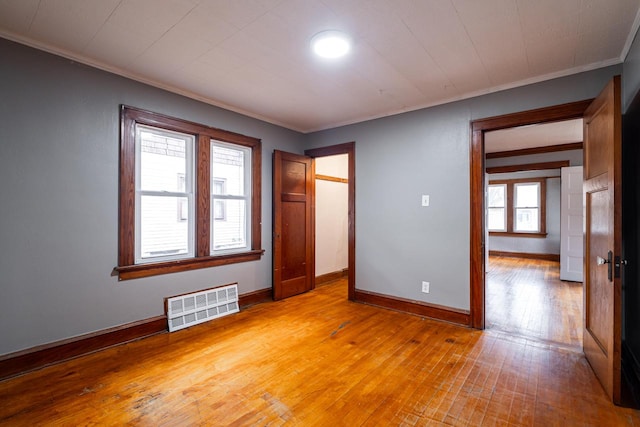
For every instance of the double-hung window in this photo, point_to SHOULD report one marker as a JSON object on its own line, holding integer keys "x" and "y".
{"x": 497, "y": 207}
{"x": 189, "y": 196}
{"x": 516, "y": 207}
{"x": 230, "y": 197}
{"x": 527, "y": 207}
{"x": 164, "y": 184}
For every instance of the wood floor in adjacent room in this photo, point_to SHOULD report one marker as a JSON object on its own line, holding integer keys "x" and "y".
{"x": 317, "y": 360}
{"x": 526, "y": 297}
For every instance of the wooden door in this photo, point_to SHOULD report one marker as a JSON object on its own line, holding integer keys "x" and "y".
{"x": 603, "y": 231}
{"x": 571, "y": 224}
{"x": 293, "y": 248}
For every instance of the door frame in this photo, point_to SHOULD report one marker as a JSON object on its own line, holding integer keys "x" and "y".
{"x": 348, "y": 148}
{"x": 572, "y": 110}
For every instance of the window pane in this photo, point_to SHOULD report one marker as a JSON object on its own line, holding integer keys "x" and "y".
{"x": 230, "y": 233}
{"x": 527, "y": 195}
{"x": 162, "y": 232}
{"x": 496, "y": 219}
{"x": 163, "y": 160}
{"x": 527, "y": 219}
{"x": 228, "y": 167}
{"x": 496, "y": 196}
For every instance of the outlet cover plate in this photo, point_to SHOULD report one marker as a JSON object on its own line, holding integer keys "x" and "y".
{"x": 425, "y": 287}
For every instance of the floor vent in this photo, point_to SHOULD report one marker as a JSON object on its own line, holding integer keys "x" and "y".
{"x": 190, "y": 309}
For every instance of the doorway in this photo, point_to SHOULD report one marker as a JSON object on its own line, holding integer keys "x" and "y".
{"x": 478, "y": 240}
{"x": 603, "y": 231}
{"x": 331, "y": 219}
{"x": 526, "y": 294}
{"x": 348, "y": 150}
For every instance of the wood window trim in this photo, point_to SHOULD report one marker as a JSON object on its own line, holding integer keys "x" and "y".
{"x": 127, "y": 269}
{"x": 510, "y": 208}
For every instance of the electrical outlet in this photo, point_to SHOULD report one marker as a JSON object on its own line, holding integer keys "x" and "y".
{"x": 425, "y": 287}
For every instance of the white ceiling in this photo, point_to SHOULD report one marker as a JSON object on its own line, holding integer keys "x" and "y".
{"x": 252, "y": 56}
{"x": 544, "y": 135}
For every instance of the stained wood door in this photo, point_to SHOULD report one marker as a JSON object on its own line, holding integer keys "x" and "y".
{"x": 571, "y": 224}
{"x": 603, "y": 232}
{"x": 293, "y": 247}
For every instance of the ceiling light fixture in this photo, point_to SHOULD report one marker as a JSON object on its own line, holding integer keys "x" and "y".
{"x": 331, "y": 44}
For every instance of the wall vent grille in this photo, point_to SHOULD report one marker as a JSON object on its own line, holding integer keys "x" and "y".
{"x": 198, "y": 307}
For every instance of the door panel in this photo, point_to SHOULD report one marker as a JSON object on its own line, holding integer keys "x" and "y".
{"x": 603, "y": 237}
{"x": 571, "y": 224}
{"x": 293, "y": 251}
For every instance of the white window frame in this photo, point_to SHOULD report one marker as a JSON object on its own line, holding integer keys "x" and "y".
{"x": 516, "y": 207}
{"x": 504, "y": 208}
{"x": 188, "y": 193}
{"x": 246, "y": 197}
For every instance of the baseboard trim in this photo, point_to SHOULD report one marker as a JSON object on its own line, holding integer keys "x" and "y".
{"x": 48, "y": 354}
{"x": 255, "y": 297}
{"x": 631, "y": 373}
{"x": 546, "y": 257}
{"x": 329, "y": 277}
{"x": 433, "y": 311}
{"x": 24, "y": 361}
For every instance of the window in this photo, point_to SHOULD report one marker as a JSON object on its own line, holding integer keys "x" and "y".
{"x": 160, "y": 156}
{"x": 527, "y": 207}
{"x": 497, "y": 206}
{"x": 210, "y": 176}
{"x": 517, "y": 207}
{"x": 230, "y": 196}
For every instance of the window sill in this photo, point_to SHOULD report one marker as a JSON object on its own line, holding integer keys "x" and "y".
{"x": 128, "y": 272}
{"x": 507, "y": 234}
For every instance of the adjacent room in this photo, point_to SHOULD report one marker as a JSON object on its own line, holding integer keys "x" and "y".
{"x": 319, "y": 212}
{"x": 535, "y": 223}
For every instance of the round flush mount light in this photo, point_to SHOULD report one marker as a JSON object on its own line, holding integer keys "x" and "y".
{"x": 331, "y": 44}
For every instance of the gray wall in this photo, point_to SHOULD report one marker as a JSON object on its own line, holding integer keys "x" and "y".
{"x": 631, "y": 74}
{"x": 59, "y": 139}
{"x": 398, "y": 158}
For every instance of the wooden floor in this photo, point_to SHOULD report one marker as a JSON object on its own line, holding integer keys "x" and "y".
{"x": 317, "y": 360}
{"x": 526, "y": 297}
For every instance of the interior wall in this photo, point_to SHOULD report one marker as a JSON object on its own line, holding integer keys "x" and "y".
{"x": 59, "y": 133}
{"x": 332, "y": 215}
{"x": 399, "y": 243}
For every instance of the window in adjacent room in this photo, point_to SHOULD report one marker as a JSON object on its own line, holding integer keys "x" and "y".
{"x": 517, "y": 207}
{"x": 210, "y": 176}
{"x": 527, "y": 207}
{"x": 497, "y": 206}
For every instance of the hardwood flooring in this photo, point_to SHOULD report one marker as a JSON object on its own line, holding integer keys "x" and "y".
{"x": 317, "y": 360}
{"x": 526, "y": 297}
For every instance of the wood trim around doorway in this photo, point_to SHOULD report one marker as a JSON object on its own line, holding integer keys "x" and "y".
{"x": 573, "y": 110}
{"x": 348, "y": 148}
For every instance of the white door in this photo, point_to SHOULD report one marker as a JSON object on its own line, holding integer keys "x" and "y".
{"x": 486, "y": 220}
{"x": 571, "y": 224}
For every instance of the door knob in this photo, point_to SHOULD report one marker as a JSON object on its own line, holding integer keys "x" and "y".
{"x": 608, "y": 260}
